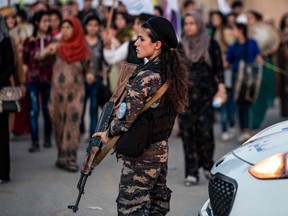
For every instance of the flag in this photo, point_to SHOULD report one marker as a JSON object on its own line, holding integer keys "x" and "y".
{"x": 3, "y": 3}
{"x": 172, "y": 13}
{"x": 224, "y": 7}
{"x": 135, "y": 7}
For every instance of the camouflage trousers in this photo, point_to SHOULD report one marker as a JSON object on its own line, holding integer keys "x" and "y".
{"x": 142, "y": 188}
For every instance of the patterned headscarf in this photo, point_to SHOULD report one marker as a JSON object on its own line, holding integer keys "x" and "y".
{"x": 197, "y": 46}
{"x": 3, "y": 29}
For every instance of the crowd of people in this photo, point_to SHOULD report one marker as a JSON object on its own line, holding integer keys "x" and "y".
{"x": 64, "y": 57}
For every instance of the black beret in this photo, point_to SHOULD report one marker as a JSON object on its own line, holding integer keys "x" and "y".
{"x": 163, "y": 30}
{"x": 144, "y": 16}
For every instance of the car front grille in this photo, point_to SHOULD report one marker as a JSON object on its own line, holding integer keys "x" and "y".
{"x": 222, "y": 191}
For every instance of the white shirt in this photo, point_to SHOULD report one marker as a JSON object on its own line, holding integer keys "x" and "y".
{"x": 113, "y": 56}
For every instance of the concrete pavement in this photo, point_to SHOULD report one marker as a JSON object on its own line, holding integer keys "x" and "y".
{"x": 38, "y": 188}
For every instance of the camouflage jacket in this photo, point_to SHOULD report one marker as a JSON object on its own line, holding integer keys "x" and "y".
{"x": 144, "y": 82}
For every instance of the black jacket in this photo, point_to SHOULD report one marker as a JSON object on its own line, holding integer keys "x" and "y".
{"x": 6, "y": 62}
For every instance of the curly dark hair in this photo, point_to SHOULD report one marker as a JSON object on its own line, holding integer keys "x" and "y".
{"x": 174, "y": 68}
{"x": 176, "y": 71}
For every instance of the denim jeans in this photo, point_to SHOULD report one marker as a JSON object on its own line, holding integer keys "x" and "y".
{"x": 34, "y": 90}
{"x": 227, "y": 112}
{"x": 91, "y": 92}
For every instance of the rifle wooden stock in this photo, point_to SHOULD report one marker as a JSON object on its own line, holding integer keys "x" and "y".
{"x": 93, "y": 150}
{"x": 105, "y": 151}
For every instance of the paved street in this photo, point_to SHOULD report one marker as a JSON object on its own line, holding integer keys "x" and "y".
{"x": 38, "y": 188}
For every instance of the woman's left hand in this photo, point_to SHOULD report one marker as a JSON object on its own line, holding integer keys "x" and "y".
{"x": 105, "y": 71}
{"x": 90, "y": 78}
{"x": 259, "y": 59}
{"x": 104, "y": 138}
{"x": 221, "y": 93}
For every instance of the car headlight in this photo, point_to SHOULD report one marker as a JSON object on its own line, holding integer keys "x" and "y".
{"x": 271, "y": 168}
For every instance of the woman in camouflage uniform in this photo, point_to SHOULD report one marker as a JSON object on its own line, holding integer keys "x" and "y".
{"x": 142, "y": 188}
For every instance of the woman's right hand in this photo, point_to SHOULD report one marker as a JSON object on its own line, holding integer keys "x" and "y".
{"x": 49, "y": 50}
{"x": 104, "y": 138}
{"x": 52, "y": 48}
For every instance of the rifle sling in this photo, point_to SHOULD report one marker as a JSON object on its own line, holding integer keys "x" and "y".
{"x": 114, "y": 140}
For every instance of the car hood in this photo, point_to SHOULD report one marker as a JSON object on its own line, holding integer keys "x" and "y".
{"x": 268, "y": 142}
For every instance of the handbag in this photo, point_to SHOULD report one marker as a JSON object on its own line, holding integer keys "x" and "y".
{"x": 10, "y": 99}
{"x": 248, "y": 81}
{"x": 133, "y": 142}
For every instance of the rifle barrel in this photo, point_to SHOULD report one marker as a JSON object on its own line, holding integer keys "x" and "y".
{"x": 80, "y": 186}
{"x": 94, "y": 148}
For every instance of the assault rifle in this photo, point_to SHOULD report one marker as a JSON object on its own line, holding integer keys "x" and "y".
{"x": 94, "y": 150}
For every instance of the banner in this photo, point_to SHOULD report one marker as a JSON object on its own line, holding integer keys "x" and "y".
{"x": 3, "y": 3}
{"x": 172, "y": 13}
{"x": 135, "y": 7}
{"x": 224, "y": 7}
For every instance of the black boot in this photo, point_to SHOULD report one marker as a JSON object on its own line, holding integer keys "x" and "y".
{"x": 47, "y": 142}
{"x": 35, "y": 147}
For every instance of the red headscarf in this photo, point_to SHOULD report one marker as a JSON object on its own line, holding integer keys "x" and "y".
{"x": 74, "y": 49}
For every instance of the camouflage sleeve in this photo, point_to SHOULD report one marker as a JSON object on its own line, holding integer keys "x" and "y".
{"x": 146, "y": 84}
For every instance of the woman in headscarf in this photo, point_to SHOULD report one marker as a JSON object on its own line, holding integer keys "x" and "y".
{"x": 6, "y": 70}
{"x": 206, "y": 82}
{"x": 67, "y": 93}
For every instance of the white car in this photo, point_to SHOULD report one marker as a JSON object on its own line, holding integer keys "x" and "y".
{"x": 252, "y": 180}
